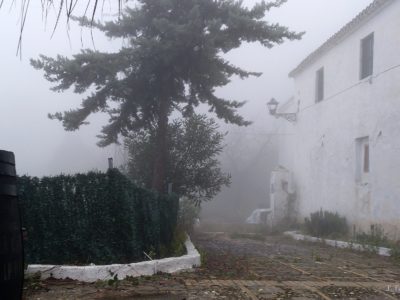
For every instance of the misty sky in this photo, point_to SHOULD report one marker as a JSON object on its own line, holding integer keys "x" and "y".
{"x": 42, "y": 147}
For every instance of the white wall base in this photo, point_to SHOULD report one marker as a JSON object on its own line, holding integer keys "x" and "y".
{"x": 94, "y": 273}
{"x": 338, "y": 244}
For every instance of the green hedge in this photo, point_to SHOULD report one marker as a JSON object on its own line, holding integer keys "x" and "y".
{"x": 99, "y": 218}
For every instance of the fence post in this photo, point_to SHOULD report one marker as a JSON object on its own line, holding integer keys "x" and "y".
{"x": 11, "y": 251}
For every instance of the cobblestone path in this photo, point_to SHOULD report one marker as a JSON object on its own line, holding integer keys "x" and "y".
{"x": 277, "y": 268}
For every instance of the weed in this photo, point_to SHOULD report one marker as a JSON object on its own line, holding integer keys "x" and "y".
{"x": 203, "y": 257}
{"x": 100, "y": 284}
{"x": 351, "y": 245}
{"x": 316, "y": 256}
{"x": 152, "y": 253}
{"x": 132, "y": 280}
{"x": 33, "y": 282}
{"x": 114, "y": 282}
{"x": 178, "y": 247}
{"x": 175, "y": 248}
{"x": 375, "y": 237}
{"x": 395, "y": 251}
{"x": 296, "y": 260}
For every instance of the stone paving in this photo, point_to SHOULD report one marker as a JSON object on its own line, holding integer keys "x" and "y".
{"x": 277, "y": 268}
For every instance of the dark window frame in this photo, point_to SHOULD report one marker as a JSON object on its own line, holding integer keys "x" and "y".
{"x": 366, "y": 153}
{"x": 363, "y": 159}
{"x": 367, "y": 56}
{"x": 320, "y": 85}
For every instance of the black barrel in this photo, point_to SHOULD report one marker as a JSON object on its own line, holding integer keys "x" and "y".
{"x": 11, "y": 252}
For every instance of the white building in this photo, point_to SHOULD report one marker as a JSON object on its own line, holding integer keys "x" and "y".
{"x": 344, "y": 149}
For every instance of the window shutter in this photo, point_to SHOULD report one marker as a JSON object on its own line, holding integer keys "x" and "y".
{"x": 367, "y": 56}
{"x": 366, "y": 158}
{"x": 319, "y": 89}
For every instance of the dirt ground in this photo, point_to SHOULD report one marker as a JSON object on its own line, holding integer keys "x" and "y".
{"x": 245, "y": 268}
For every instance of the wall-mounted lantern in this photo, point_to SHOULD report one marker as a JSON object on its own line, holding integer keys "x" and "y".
{"x": 273, "y": 107}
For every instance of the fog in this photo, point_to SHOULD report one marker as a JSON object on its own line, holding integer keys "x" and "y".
{"x": 42, "y": 147}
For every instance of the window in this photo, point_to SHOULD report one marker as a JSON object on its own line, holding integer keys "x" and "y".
{"x": 367, "y": 56}
{"x": 366, "y": 159}
{"x": 319, "y": 85}
{"x": 362, "y": 159}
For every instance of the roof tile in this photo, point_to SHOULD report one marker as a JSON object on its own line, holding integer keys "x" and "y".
{"x": 362, "y": 17}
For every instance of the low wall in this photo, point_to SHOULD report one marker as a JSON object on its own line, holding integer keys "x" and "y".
{"x": 338, "y": 244}
{"x": 94, "y": 273}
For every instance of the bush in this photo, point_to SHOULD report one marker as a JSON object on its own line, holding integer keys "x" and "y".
{"x": 177, "y": 246}
{"x": 376, "y": 237}
{"x": 99, "y": 218}
{"x": 188, "y": 214}
{"x": 326, "y": 224}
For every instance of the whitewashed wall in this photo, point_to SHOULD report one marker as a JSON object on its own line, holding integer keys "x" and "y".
{"x": 320, "y": 148}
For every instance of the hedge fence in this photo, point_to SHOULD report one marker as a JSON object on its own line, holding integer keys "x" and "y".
{"x": 98, "y": 218}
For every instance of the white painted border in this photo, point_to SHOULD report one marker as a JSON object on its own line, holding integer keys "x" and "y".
{"x": 338, "y": 244}
{"x": 94, "y": 273}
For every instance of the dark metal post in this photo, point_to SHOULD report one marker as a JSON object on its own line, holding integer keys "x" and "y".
{"x": 169, "y": 188}
{"x": 110, "y": 163}
{"x": 11, "y": 251}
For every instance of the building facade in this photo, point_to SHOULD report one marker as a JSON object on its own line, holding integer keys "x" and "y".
{"x": 344, "y": 149}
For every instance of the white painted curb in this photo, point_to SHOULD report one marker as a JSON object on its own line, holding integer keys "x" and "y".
{"x": 94, "y": 273}
{"x": 338, "y": 244}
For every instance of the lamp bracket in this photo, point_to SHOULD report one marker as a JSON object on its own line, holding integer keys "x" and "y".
{"x": 291, "y": 117}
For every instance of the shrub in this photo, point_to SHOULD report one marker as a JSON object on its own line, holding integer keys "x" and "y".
{"x": 188, "y": 214}
{"x": 177, "y": 246}
{"x": 326, "y": 224}
{"x": 376, "y": 237}
{"x": 96, "y": 218}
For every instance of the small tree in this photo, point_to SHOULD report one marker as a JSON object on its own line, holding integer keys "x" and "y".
{"x": 173, "y": 61}
{"x": 194, "y": 145}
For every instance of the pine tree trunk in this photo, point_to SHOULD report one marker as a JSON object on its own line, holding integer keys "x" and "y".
{"x": 160, "y": 162}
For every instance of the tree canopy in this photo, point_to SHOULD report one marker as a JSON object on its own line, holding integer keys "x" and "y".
{"x": 173, "y": 61}
{"x": 194, "y": 145}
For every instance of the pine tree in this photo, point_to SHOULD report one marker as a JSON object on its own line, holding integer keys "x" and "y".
{"x": 174, "y": 62}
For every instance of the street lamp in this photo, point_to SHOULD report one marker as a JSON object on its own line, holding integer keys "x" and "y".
{"x": 273, "y": 107}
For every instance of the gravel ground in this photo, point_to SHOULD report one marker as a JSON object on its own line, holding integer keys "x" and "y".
{"x": 245, "y": 268}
